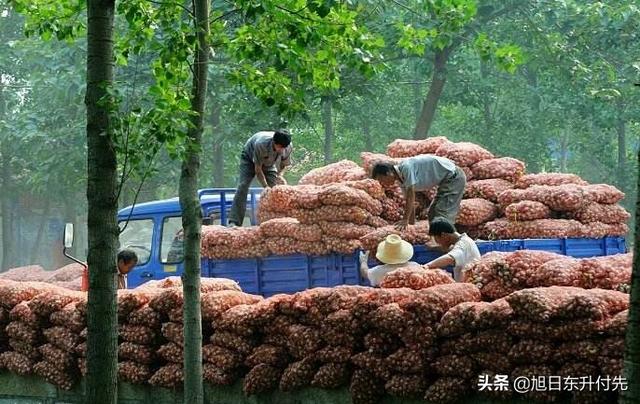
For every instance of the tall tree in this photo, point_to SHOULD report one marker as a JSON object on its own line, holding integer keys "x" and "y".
{"x": 102, "y": 199}
{"x": 192, "y": 213}
{"x": 632, "y": 340}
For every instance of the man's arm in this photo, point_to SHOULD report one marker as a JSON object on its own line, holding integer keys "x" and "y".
{"x": 409, "y": 208}
{"x": 260, "y": 176}
{"x": 364, "y": 266}
{"x": 441, "y": 262}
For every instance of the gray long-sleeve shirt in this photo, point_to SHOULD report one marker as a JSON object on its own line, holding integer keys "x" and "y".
{"x": 259, "y": 148}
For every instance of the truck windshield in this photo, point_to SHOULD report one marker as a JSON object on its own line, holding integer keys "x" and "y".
{"x": 137, "y": 236}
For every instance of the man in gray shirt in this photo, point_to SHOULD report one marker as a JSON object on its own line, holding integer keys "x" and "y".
{"x": 265, "y": 156}
{"x": 420, "y": 173}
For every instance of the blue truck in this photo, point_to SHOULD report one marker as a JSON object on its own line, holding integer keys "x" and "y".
{"x": 153, "y": 230}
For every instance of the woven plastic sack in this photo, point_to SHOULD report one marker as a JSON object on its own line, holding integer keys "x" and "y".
{"x": 331, "y": 376}
{"x": 559, "y": 330}
{"x": 298, "y": 375}
{"x": 169, "y": 376}
{"x": 61, "y": 359}
{"x": 406, "y": 385}
{"x": 136, "y": 352}
{"x": 341, "y": 195}
{"x": 261, "y": 379}
{"x": 405, "y": 360}
{"x": 345, "y": 230}
{"x": 291, "y": 228}
{"x": 415, "y": 278}
{"x": 29, "y": 273}
{"x": 353, "y": 214}
{"x": 66, "y": 273}
{"x": 596, "y": 212}
{"x": 410, "y": 148}
{"x": 541, "y": 228}
{"x": 446, "y": 390}
{"x": 548, "y": 179}
{"x": 216, "y": 376}
{"x": 414, "y": 234}
{"x": 486, "y": 189}
{"x": 341, "y": 245}
{"x": 604, "y": 193}
{"x": 289, "y": 246}
{"x": 29, "y": 350}
{"x": 171, "y": 353}
{"x": 372, "y": 187}
{"x": 555, "y": 302}
{"x": 237, "y": 237}
{"x": 476, "y": 211}
{"x": 16, "y": 363}
{"x": 370, "y": 159}
{"x": 22, "y": 313}
{"x": 69, "y": 317}
{"x": 455, "y": 366}
{"x": 505, "y": 167}
{"x": 475, "y": 316}
{"x": 464, "y": 154}
{"x": 52, "y": 373}
{"x": 527, "y": 210}
{"x": 21, "y": 331}
{"x": 343, "y": 170}
{"x": 241, "y": 344}
{"x": 365, "y": 388}
{"x": 216, "y": 303}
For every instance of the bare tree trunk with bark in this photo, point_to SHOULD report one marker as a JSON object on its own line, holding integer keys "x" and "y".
{"x": 192, "y": 214}
{"x": 327, "y": 122}
{"x": 632, "y": 340}
{"x": 438, "y": 79}
{"x": 102, "y": 320}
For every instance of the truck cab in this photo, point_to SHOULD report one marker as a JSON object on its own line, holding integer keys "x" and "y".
{"x": 154, "y": 230}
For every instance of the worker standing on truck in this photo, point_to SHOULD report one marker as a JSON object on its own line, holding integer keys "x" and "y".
{"x": 460, "y": 249}
{"x": 393, "y": 252}
{"x": 127, "y": 259}
{"x": 421, "y": 173}
{"x": 265, "y": 156}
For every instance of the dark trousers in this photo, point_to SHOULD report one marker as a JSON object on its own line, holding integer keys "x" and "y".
{"x": 246, "y": 175}
{"x": 447, "y": 201}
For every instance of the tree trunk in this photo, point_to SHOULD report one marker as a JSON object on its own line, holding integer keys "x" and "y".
{"x": 632, "y": 341}
{"x": 5, "y": 195}
{"x": 5, "y": 206}
{"x": 102, "y": 320}
{"x": 37, "y": 244}
{"x": 438, "y": 79}
{"x": 621, "y": 129}
{"x": 564, "y": 151}
{"x": 327, "y": 122}
{"x": 192, "y": 215}
{"x": 218, "y": 150}
{"x": 366, "y": 130}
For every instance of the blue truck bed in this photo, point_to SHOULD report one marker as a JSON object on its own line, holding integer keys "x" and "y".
{"x": 292, "y": 273}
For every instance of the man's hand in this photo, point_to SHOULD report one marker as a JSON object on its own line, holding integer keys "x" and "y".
{"x": 402, "y": 225}
{"x": 280, "y": 180}
{"x": 364, "y": 257}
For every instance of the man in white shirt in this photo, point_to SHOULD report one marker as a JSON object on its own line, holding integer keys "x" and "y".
{"x": 461, "y": 249}
{"x": 393, "y": 252}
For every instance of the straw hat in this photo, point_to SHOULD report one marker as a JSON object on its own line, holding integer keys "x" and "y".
{"x": 394, "y": 250}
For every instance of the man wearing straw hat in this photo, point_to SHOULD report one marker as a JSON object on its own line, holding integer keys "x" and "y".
{"x": 393, "y": 252}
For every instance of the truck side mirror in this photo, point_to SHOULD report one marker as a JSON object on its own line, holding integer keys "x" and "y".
{"x": 68, "y": 235}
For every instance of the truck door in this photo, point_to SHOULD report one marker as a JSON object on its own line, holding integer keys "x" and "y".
{"x": 171, "y": 252}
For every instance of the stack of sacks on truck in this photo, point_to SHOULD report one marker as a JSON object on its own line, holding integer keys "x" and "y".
{"x": 539, "y": 332}
{"x": 43, "y": 330}
{"x": 559, "y": 205}
{"x": 68, "y": 276}
{"x": 310, "y": 219}
{"x": 498, "y": 274}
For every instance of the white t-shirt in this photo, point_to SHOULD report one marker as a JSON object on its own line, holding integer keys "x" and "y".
{"x": 376, "y": 273}
{"x": 463, "y": 252}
